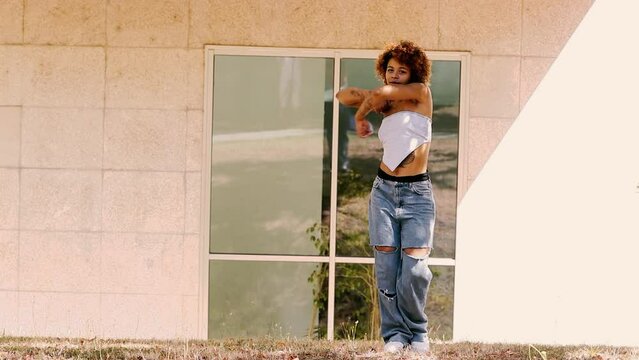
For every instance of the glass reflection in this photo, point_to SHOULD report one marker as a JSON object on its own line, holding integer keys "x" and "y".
{"x": 356, "y": 308}
{"x": 444, "y": 152}
{"x": 253, "y": 299}
{"x": 362, "y": 156}
{"x": 268, "y": 187}
{"x": 270, "y": 194}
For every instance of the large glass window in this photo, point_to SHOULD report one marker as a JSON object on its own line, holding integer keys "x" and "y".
{"x": 278, "y": 180}
{"x": 268, "y": 150}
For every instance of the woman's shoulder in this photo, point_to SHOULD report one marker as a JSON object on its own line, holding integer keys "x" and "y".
{"x": 420, "y": 86}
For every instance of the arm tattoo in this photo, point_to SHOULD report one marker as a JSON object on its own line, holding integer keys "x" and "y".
{"x": 408, "y": 160}
{"x": 358, "y": 94}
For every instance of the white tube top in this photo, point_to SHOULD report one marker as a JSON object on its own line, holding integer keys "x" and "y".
{"x": 401, "y": 133}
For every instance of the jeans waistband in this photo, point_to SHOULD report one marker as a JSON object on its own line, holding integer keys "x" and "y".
{"x": 412, "y": 178}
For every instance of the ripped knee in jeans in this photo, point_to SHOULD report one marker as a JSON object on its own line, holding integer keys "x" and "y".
{"x": 385, "y": 249}
{"x": 387, "y": 294}
{"x": 418, "y": 253}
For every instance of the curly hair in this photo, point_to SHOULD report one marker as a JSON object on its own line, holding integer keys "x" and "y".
{"x": 409, "y": 54}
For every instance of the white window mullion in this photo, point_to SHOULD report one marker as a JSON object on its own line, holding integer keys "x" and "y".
{"x": 205, "y": 205}
{"x": 273, "y": 258}
{"x": 330, "y": 331}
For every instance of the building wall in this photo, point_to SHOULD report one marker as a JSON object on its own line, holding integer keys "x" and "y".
{"x": 554, "y": 254}
{"x": 101, "y": 129}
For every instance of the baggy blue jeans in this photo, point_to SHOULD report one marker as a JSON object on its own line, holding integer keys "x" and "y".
{"x": 402, "y": 215}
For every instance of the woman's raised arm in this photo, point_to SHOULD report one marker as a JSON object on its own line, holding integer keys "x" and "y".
{"x": 412, "y": 91}
{"x": 352, "y": 96}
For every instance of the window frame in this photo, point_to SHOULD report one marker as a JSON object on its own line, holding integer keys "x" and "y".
{"x": 336, "y": 54}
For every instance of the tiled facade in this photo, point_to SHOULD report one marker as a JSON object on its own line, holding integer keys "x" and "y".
{"x": 101, "y": 109}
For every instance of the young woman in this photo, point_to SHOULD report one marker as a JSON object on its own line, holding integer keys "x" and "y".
{"x": 401, "y": 212}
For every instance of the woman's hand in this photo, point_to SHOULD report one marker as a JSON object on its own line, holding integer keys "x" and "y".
{"x": 364, "y": 128}
{"x": 371, "y": 103}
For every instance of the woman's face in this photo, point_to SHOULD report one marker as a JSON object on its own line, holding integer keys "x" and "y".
{"x": 396, "y": 72}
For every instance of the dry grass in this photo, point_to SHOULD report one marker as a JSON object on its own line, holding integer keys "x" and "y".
{"x": 284, "y": 349}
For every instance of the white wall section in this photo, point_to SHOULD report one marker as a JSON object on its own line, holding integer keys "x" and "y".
{"x": 548, "y": 232}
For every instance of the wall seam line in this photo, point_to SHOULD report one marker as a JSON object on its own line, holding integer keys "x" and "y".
{"x": 521, "y": 56}
{"x": 100, "y": 329}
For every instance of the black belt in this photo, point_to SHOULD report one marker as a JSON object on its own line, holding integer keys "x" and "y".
{"x": 412, "y": 178}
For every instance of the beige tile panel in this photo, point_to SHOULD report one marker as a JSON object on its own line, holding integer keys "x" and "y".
{"x": 308, "y": 23}
{"x": 147, "y": 23}
{"x": 145, "y": 140}
{"x": 234, "y": 22}
{"x": 9, "y": 260}
{"x": 146, "y": 78}
{"x": 195, "y": 90}
{"x": 193, "y": 191}
{"x": 385, "y": 21}
{"x": 190, "y": 317}
{"x": 64, "y": 76}
{"x": 62, "y": 138}
{"x": 494, "y": 86}
{"x": 10, "y": 135}
{"x": 143, "y": 201}
{"x": 485, "y": 27}
{"x": 11, "y": 25}
{"x": 548, "y": 24}
{"x": 59, "y": 314}
{"x": 65, "y": 22}
{"x": 346, "y": 24}
{"x": 9, "y": 198}
{"x": 12, "y": 72}
{"x": 59, "y": 261}
{"x": 147, "y": 316}
{"x": 533, "y": 70}
{"x": 484, "y": 136}
{"x": 194, "y": 133}
{"x": 304, "y": 23}
{"x": 60, "y": 199}
{"x": 9, "y": 314}
{"x": 190, "y": 265}
{"x": 142, "y": 263}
